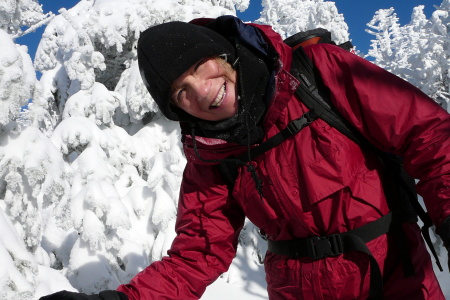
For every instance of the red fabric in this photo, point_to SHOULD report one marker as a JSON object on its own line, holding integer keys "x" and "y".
{"x": 316, "y": 183}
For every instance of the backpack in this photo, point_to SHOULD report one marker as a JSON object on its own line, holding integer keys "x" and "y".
{"x": 399, "y": 187}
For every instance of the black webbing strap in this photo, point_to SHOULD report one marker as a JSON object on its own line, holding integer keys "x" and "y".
{"x": 291, "y": 129}
{"x": 228, "y": 168}
{"x": 318, "y": 247}
{"x": 314, "y": 98}
{"x": 346, "y": 45}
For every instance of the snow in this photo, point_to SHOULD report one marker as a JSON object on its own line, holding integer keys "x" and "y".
{"x": 16, "y": 77}
{"x": 88, "y": 194}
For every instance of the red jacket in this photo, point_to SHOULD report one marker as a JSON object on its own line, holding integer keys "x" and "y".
{"x": 317, "y": 182}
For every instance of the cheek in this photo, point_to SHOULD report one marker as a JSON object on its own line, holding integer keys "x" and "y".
{"x": 234, "y": 93}
{"x": 232, "y": 75}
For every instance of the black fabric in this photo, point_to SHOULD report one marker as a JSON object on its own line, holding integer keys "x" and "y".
{"x": 166, "y": 51}
{"x": 104, "y": 295}
{"x": 112, "y": 295}
{"x": 66, "y": 295}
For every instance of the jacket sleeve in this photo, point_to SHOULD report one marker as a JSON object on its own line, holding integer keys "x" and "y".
{"x": 208, "y": 225}
{"x": 395, "y": 116}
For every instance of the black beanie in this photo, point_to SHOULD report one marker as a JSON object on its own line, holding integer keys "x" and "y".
{"x": 167, "y": 50}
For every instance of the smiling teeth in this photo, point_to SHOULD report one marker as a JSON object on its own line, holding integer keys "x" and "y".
{"x": 219, "y": 99}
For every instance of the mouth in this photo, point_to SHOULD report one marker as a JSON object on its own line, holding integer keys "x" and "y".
{"x": 220, "y": 97}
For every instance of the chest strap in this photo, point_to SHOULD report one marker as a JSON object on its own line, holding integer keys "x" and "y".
{"x": 318, "y": 247}
{"x": 229, "y": 170}
{"x": 292, "y": 128}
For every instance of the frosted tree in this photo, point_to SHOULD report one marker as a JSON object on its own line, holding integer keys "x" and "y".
{"x": 29, "y": 173}
{"x": 431, "y": 64}
{"x": 389, "y": 35}
{"x": 18, "y": 17}
{"x": 417, "y": 51}
{"x": 87, "y": 190}
{"x": 288, "y": 17}
{"x": 17, "y": 72}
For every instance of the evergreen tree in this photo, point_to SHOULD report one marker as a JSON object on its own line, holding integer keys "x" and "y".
{"x": 90, "y": 190}
{"x": 22, "y": 182}
{"x": 417, "y": 51}
{"x": 288, "y": 17}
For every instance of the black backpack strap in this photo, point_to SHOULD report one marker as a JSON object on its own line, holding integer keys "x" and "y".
{"x": 291, "y": 129}
{"x": 346, "y": 46}
{"x": 228, "y": 168}
{"x": 315, "y": 98}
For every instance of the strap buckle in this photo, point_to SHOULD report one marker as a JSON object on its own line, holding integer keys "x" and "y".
{"x": 296, "y": 125}
{"x": 319, "y": 247}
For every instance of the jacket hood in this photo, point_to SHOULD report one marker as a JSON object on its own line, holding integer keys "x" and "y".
{"x": 167, "y": 50}
{"x": 265, "y": 43}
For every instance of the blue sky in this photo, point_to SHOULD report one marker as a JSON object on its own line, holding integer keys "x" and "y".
{"x": 357, "y": 14}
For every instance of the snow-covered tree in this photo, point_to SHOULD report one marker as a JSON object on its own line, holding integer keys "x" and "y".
{"x": 28, "y": 170}
{"x": 89, "y": 190}
{"x": 288, "y": 17}
{"x": 417, "y": 51}
{"x": 387, "y": 30}
{"x": 17, "y": 15}
{"x": 16, "y": 78}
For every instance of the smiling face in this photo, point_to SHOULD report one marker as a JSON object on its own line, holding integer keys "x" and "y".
{"x": 207, "y": 90}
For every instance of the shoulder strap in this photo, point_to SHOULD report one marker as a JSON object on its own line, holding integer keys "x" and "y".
{"x": 228, "y": 167}
{"x": 315, "y": 98}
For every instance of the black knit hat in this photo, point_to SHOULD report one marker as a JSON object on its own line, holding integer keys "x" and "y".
{"x": 167, "y": 50}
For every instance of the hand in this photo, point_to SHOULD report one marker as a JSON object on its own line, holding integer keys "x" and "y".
{"x": 105, "y": 295}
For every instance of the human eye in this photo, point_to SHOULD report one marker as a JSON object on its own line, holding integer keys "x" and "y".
{"x": 178, "y": 96}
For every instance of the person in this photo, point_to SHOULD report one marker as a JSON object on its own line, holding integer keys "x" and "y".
{"x": 228, "y": 85}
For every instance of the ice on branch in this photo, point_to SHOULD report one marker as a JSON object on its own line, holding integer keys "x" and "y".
{"x": 17, "y": 78}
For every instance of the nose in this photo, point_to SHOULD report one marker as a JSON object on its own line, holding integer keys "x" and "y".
{"x": 199, "y": 88}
